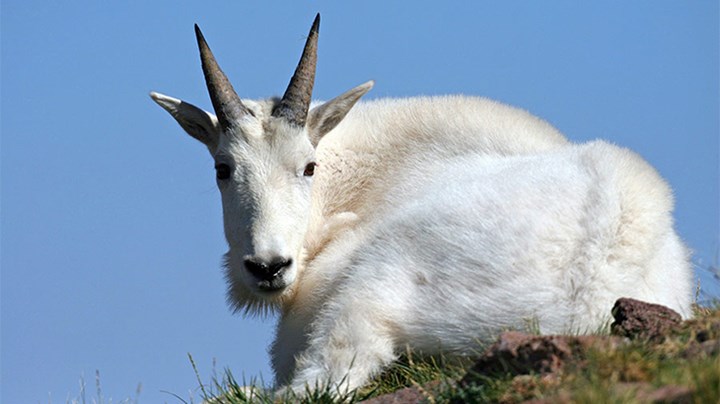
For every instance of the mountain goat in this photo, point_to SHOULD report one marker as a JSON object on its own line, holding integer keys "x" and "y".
{"x": 430, "y": 223}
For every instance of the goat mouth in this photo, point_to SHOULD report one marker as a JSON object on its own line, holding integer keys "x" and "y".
{"x": 271, "y": 287}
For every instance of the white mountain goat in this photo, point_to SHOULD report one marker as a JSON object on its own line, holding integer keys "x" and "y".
{"x": 429, "y": 223}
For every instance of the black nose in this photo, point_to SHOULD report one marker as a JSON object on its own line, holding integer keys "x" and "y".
{"x": 264, "y": 270}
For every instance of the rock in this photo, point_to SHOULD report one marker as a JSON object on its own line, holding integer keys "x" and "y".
{"x": 635, "y": 319}
{"x": 413, "y": 394}
{"x": 520, "y": 353}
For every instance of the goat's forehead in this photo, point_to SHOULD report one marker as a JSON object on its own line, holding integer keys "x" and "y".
{"x": 271, "y": 143}
{"x": 260, "y": 132}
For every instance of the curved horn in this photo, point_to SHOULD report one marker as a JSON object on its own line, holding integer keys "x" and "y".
{"x": 296, "y": 101}
{"x": 225, "y": 100}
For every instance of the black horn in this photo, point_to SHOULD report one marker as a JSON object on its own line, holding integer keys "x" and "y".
{"x": 295, "y": 102}
{"x": 225, "y": 100}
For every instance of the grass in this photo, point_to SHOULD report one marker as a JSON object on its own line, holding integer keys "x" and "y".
{"x": 406, "y": 372}
{"x": 618, "y": 375}
{"x": 411, "y": 371}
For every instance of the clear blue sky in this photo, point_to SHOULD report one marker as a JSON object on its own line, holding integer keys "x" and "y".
{"x": 111, "y": 222}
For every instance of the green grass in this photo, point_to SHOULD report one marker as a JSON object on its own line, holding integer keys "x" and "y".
{"x": 608, "y": 376}
{"x": 412, "y": 371}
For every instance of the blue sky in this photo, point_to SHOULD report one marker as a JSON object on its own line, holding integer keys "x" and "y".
{"x": 111, "y": 222}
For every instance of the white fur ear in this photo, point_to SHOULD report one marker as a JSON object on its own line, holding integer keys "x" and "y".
{"x": 323, "y": 118}
{"x": 199, "y": 124}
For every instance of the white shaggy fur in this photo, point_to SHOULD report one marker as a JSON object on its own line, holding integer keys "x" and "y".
{"x": 555, "y": 237}
{"x": 430, "y": 223}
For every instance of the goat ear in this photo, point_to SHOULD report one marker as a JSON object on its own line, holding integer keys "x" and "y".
{"x": 323, "y": 118}
{"x": 199, "y": 124}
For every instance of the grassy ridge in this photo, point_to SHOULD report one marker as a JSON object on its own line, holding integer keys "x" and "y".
{"x": 628, "y": 373}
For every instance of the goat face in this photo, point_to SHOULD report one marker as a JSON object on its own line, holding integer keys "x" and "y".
{"x": 264, "y": 155}
{"x": 264, "y": 173}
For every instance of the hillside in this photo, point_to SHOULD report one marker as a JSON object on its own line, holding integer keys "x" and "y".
{"x": 647, "y": 355}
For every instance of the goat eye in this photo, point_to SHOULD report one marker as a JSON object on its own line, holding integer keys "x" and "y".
{"x": 309, "y": 170}
{"x": 222, "y": 171}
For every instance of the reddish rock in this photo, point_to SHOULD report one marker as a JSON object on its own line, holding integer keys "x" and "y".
{"x": 407, "y": 395}
{"x": 636, "y": 319}
{"x": 519, "y": 353}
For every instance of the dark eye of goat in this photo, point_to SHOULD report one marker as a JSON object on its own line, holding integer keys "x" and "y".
{"x": 309, "y": 170}
{"x": 223, "y": 171}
